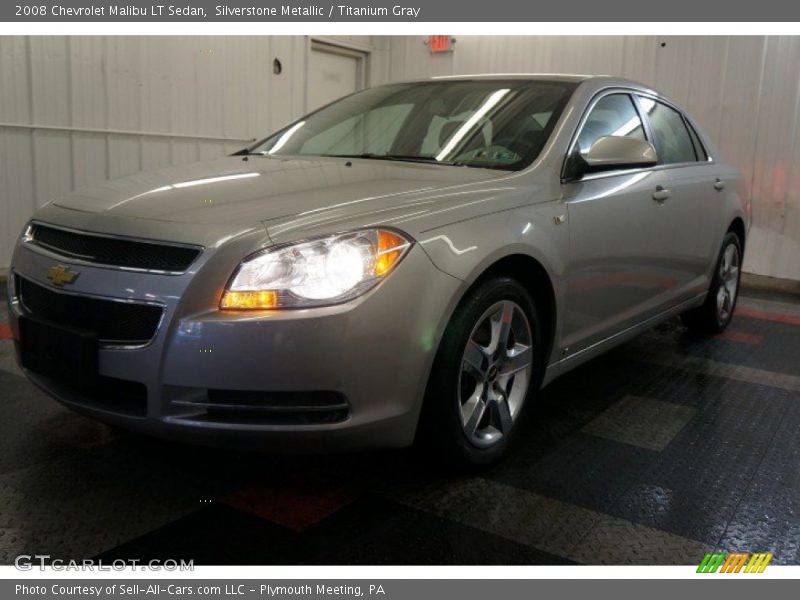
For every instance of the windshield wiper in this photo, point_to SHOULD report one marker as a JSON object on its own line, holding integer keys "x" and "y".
{"x": 246, "y": 152}
{"x": 398, "y": 157}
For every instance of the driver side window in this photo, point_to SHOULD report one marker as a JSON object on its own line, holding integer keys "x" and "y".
{"x": 613, "y": 115}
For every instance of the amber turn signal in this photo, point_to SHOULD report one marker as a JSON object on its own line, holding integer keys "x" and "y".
{"x": 249, "y": 300}
{"x": 390, "y": 250}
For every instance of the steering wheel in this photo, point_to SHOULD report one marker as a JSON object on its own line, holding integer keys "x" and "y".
{"x": 519, "y": 145}
{"x": 493, "y": 153}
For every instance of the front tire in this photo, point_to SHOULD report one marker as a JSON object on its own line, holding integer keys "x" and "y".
{"x": 488, "y": 365}
{"x": 716, "y": 312}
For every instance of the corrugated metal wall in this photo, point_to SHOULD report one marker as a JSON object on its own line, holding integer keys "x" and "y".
{"x": 745, "y": 91}
{"x": 103, "y": 107}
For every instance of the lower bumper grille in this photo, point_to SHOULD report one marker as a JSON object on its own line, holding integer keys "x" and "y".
{"x": 110, "y": 394}
{"x": 270, "y": 408}
{"x": 115, "y": 322}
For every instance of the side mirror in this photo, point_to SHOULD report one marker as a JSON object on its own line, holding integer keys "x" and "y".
{"x": 612, "y": 152}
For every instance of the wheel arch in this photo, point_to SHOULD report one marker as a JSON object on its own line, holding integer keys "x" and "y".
{"x": 737, "y": 226}
{"x": 534, "y": 277}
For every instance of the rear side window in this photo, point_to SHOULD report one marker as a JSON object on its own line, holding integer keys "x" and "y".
{"x": 673, "y": 142}
{"x": 613, "y": 115}
{"x": 699, "y": 150}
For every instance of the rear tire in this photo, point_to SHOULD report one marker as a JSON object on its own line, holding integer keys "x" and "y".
{"x": 717, "y": 311}
{"x": 487, "y": 368}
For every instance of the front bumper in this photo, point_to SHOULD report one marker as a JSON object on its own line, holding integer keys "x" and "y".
{"x": 364, "y": 363}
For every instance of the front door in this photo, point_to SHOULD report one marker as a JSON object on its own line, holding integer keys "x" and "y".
{"x": 620, "y": 266}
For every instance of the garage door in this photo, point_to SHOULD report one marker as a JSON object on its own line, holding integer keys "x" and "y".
{"x": 333, "y": 72}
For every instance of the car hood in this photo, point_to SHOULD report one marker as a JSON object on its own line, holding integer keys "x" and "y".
{"x": 238, "y": 191}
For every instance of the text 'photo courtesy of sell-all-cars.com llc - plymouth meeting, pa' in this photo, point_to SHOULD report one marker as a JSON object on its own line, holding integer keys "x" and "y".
{"x": 409, "y": 264}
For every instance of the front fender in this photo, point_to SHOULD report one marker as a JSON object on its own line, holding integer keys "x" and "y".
{"x": 468, "y": 248}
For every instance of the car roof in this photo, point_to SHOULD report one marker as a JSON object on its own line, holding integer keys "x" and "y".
{"x": 594, "y": 81}
{"x": 522, "y": 76}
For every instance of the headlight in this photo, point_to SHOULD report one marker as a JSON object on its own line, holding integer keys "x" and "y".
{"x": 315, "y": 273}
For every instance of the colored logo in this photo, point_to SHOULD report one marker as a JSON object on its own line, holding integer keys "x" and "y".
{"x": 60, "y": 275}
{"x": 737, "y": 562}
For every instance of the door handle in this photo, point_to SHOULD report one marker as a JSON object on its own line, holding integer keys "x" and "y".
{"x": 719, "y": 185}
{"x": 661, "y": 194}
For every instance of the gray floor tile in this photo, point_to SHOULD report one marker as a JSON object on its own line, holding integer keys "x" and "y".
{"x": 618, "y": 542}
{"x": 643, "y": 422}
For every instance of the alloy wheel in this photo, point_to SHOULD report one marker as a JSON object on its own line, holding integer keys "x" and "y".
{"x": 495, "y": 373}
{"x": 729, "y": 282}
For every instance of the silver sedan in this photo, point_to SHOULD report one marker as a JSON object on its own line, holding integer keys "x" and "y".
{"x": 410, "y": 263}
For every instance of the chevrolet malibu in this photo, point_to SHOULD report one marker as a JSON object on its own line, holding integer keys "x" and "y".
{"x": 412, "y": 262}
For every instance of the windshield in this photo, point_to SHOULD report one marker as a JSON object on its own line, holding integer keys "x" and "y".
{"x": 501, "y": 124}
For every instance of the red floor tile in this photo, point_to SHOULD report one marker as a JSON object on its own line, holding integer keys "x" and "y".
{"x": 5, "y": 331}
{"x": 754, "y": 313}
{"x": 77, "y": 431}
{"x": 296, "y": 505}
{"x": 752, "y": 339}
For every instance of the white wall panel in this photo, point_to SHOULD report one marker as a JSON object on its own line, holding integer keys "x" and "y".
{"x": 121, "y": 104}
{"x": 745, "y": 91}
{"x": 776, "y": 229}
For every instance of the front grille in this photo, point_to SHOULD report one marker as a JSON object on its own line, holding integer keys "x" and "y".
{"x": 270, "y": 408}
{"x": 132, "y": 254}
{"x": 114, "y": 322}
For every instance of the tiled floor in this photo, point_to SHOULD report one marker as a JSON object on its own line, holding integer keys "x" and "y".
{"x": 655, "y": 453}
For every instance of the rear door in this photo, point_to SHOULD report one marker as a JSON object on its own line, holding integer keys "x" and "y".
{"x": 692, "y": 196}
{"x": 619, "y": 271}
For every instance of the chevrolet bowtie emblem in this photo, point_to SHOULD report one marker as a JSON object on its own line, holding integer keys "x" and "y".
{"x": 60, "y": 275}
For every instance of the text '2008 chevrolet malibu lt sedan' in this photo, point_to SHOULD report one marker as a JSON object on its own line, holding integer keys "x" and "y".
{"x": 413, "y": 261}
